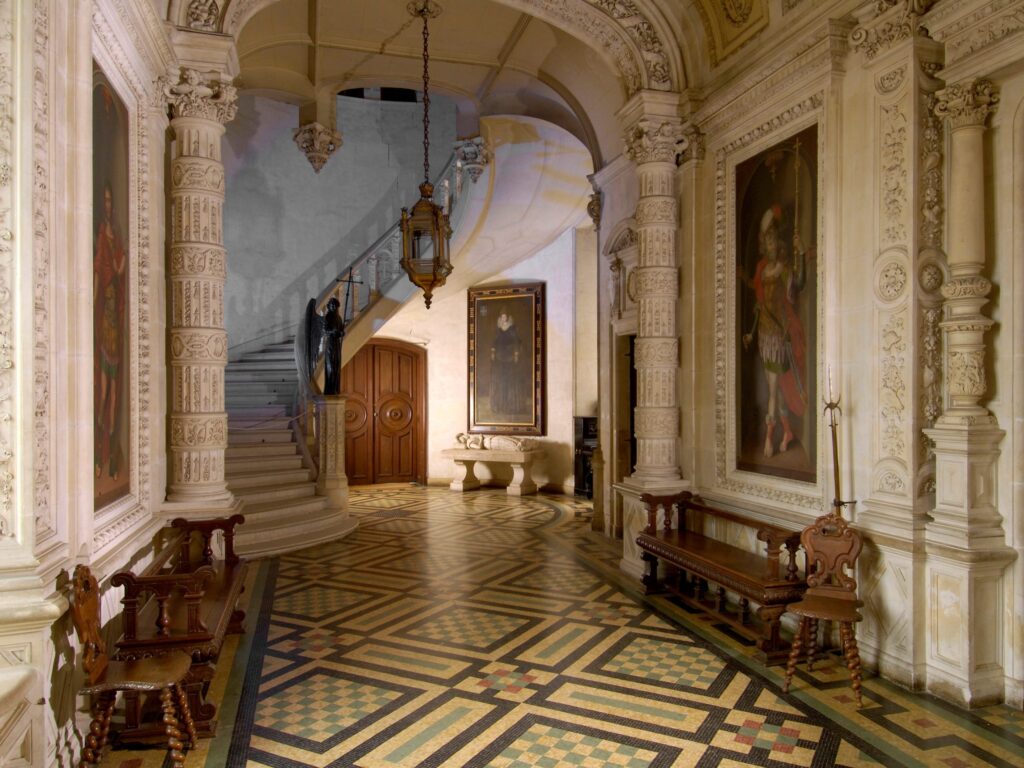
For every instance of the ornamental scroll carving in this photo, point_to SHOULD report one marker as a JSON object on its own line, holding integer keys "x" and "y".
{"x": 194, "y": 96}
{"x": 893, "y": 386}
{"x": 984, "y": 35}
{"x": 317, "y": 143}
{"x": 894, "y": 173}
{"x": 931, "y": 177}
{"x": 889, "y": 27}
{"x": 967, "y": 104}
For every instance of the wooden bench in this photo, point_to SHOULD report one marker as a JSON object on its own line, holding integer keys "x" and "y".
{"x": 695, "y": 559}
{"x": 184, "y": 600}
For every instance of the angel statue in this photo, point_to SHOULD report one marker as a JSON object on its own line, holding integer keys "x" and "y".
{"x": 324, "y": 334}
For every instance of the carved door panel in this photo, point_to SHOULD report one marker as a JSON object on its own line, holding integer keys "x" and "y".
{"x": 385, "y": 414}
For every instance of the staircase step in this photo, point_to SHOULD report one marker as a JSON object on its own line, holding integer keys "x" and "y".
{"x": 252, "y": 373}
{"x": 283, "y": 509}
{"x": 260, "y": 450}
{"x": 264, "y": 412}
{"x": 257, "y": 387}
{"x": 267, "y": 355}
{"x": 266, "y": 422}
{"x": 278, "y": 493}
{"x": 239, "y": 437}
{"x": 251, "y": 482}
{"x": 281, "y": 400}
{"x": 269, "y": 464}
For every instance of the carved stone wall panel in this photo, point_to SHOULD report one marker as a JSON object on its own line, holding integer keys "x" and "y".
{"x": 895, "y": 170}
{"x": 8, "y": 424}
{"x": 893, "y": 394}
{"x": 885, "y": 580}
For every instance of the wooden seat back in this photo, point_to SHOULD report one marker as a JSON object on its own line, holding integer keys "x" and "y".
{"x": 832, "y": 548}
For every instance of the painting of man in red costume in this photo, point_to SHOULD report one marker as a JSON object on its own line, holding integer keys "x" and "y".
{"x": 110, "y": 295}
{"x": 776, "y": 309}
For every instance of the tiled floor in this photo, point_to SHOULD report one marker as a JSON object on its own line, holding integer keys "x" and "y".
{"x": 485, "y": 630}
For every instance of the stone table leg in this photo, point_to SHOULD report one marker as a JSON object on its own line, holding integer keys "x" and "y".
{"x": 522, "y": 484}
{"x": 465, "y": 479}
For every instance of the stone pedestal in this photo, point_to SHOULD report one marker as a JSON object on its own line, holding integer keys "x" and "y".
{"x": 465, "y": 479}
{"x": 330, "y": 430}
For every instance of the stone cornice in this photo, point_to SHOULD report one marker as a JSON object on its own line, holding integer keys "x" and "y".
{"x": 993, "y": 32}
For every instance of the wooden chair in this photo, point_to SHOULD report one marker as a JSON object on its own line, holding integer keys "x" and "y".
{"x": 104, "y": 678}
{"x": 832, "y": 546}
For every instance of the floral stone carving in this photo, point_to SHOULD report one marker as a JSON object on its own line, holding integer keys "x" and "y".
{"x": 317, "y": 143}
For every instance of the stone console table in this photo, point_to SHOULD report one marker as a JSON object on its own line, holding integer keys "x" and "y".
{"x": 465, "y": 480}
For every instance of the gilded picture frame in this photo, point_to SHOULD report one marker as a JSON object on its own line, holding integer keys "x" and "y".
{"x": 506, "y": 351}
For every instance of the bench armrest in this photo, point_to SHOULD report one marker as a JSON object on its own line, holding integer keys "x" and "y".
{"x": 163, "y": 586}
{"x": 206, "y": 528}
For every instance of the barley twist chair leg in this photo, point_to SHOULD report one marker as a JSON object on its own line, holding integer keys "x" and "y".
{"x": 852, "y": 658}
{"x": 174, "y": 744}
{"x": 91, "y": 748}
{"x": 794, "y": 654}
{"x": 186, "y": 715}
{"x": 812, "y": 643}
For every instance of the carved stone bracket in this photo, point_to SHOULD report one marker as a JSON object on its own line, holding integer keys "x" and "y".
{"x": 474, "y": 156}
{"x": 317, "y": 143}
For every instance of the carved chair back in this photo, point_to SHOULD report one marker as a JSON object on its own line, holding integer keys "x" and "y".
{"x": 832, "y": 547}
{"x": 85, "y": 613}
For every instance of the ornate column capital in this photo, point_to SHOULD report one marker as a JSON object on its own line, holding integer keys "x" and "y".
{"x": 653, "y": 140}
{"x": 194, "y": 96}
{"x": 473, "y": 154}
{"x": 317, "y": 143}
{"x": 967, "y": 104}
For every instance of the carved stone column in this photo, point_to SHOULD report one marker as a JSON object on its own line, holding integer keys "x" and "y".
{"x": 198, "y": 340}
{"x": 652, "y": 137}
{"x": 965, "y": 542}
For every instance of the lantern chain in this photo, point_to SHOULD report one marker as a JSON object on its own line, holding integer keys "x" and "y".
{"x": 426, "y": 95}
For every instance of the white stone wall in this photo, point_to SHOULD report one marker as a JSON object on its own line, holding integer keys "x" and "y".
{"x": 288, "y": 230}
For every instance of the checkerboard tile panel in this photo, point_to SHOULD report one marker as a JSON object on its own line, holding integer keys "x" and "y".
{"x": 663, "y": 661}
{"x": 466, "y": 627}
{"x": 319, "y": 706}
{"x": 553, "y": 747}
{"x": 316, "y": 602}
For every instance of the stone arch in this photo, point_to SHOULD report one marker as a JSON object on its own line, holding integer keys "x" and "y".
{"x": 631, "y": 34}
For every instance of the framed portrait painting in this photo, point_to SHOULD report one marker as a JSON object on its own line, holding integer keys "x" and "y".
{"x": 776, "y": 220}
{"x": 506, "y": 359}
{"x": 110, "y": 292}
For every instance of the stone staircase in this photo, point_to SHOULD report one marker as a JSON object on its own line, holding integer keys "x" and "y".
{"x": 263, "y": 464}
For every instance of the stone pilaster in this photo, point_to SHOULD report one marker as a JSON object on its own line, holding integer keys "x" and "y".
{"x": 902, "y": 342}
{"x": 965, "y": 542}
{"x": 652, "y": 140}
{"x": 198, "y": 270}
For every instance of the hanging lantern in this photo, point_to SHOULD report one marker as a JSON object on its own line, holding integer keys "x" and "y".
{"x": 425, "y": 230}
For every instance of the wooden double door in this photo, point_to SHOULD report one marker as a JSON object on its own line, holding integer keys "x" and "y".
{"x": 385, "y": 414}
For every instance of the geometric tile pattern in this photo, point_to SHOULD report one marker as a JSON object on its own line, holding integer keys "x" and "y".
{"x": 658, "y": 660}
{"x": 478, "y": 629}
{"x": 551, "y": 747}
{"x": 318, "y": 707}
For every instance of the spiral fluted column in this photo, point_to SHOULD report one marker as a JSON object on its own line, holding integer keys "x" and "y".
{"x": 197, "y": 269}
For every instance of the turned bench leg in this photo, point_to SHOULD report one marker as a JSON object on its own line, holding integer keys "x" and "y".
{"x": 650, "y": 578}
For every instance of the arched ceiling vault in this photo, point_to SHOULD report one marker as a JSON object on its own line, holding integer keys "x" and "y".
{"x": 632, "y": 33}
{"x": 571, "y": 62}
